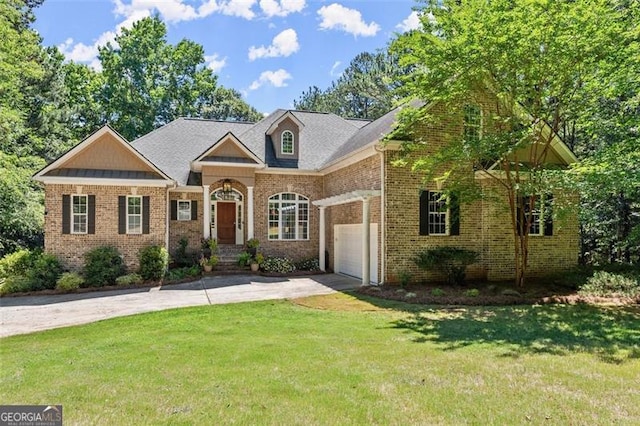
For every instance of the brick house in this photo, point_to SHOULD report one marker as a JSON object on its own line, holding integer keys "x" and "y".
{"x": 304, "y": 184}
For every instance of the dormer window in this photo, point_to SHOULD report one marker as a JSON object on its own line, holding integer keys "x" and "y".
{"x": 286, "y": 142}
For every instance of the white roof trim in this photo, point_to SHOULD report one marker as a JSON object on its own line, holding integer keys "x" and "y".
{"x": 348, "y": 197}
{"x": 87, "y": 142}
{"x": 276, "y": 123}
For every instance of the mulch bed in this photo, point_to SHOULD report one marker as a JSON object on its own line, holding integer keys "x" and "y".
{"x": 490, "y": 294}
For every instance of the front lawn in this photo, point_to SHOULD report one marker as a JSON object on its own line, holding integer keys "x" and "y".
{"x": 336, "y": 360}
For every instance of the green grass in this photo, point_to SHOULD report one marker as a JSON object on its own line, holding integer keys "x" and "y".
{"x": 283, "y": 363}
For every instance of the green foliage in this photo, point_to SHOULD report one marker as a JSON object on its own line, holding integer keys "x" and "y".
{"x": 437, "y": 292}
{"x": 451, "y": 261}
{"x": 17, "y": 263}
{"x": 45, "y": 272}
{"x": 15, "y": 284}
{"x": 164, "y": 81}
{"x": 472, "y": 292}
{"x": 363, "y": 90}
{"x": 183, "y": 257}
{"x": 405, "y": 278}
{"x": 259, "y": 259}
{"x": 178, "y": 274}
{"x": 129, "y": 279}
{"x": 253, "y": 243}
{"x": 209, "y": 261}
{"x": 309, "y": 264}
{"x": 154, "y": 261}
{"x": 605, "y": 284}
{"x": 102, "y": 265}
{"x": 69, "y": 281}
{"x": 21, "y": 204}
{"x": 244, "y": 258}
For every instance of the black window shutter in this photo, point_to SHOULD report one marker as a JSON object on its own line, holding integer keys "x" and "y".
{"x": 454, "y": 211}
{"x": 66, "y": 214}
{"x": 91, "y": 214}
{"x": 424, "y": 213}
{"x": 548, "y": 214}
{"x": 174, "y": 209}
{"x": 194, "y": 210}
{"x": 145, "y": 214}
{"x": 122, "y": 214}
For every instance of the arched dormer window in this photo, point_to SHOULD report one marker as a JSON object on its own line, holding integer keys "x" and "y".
{"x": 286, "y": 142}
{"x": 288, "y": 217}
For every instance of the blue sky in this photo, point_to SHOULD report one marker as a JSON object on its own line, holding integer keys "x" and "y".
{"x": 270, "y": 50}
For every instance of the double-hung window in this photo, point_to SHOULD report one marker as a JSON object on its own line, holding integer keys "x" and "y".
{"x": 288, "y": 217}
{"x": 537, "y": 211}
{"x": 184, "y": 210}
{"x": 134, "y": 214}
{"x": 472, "y": 123}
{"x": 438, "y": 214}
{"x": 79, "y": 214}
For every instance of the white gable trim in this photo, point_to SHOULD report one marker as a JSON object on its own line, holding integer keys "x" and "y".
{"x": 284, "y": 116}
{"x": 106, "y": 129}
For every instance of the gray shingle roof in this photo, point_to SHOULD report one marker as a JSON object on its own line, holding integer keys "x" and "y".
{"x": 323, "y": 139}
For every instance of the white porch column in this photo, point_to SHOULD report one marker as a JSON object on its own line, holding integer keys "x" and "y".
{"x": 323, "y": 243}
{"x": 249, "y": 212}
{"x": 206, "y": 214}
{"x": 366, "y": 241}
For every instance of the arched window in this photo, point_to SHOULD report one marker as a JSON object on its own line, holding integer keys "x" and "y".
{"x": 286, "y": 142}
{"x": 288, "y": 217}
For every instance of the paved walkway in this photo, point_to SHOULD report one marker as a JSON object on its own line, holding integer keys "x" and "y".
{"x": 19, "y": 315}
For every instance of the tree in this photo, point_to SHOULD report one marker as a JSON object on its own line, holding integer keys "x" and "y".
{"x": 537, "y": 58}
{"x": 364, "y": 90}
{"x": 148, "y": 83}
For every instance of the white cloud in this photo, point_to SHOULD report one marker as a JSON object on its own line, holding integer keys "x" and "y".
{"x": 275, "y": 78}
{"x": 412, "y": 22}
{"x": 214, "y": 63}
{"x": 281, "y": 7}
{"x": 336, "y": 16}
{"x": 283, "y": 45}
{"x": 170, "y": 10}
{"x": 332, "y": 72}
{"x": 240, "y": 8}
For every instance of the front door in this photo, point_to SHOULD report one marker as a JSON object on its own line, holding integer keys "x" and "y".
{"x": 226, "y": 213}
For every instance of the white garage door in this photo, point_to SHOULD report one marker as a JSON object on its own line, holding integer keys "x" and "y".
{"x": 348, "y": 250}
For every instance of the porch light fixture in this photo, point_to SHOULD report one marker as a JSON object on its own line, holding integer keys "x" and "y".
{"x": 226, "y": 186}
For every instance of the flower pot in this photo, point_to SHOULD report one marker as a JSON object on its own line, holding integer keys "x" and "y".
{"x": 208, "y": 268}
{"x": 255, "y": 267}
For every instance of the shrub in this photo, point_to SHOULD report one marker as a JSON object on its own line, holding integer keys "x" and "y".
{"x": 129, "y": 279}
{"x": 45, "y": 272}
{"x": 605, "y": 284}
{"x": 437, "y": 292}
{"x": 405, "y": 278}
{"x": 244, "y": 258}
{"x": 182, "y": 257}
{"x": 280, "y": 265}
{"x": 102, "y": 266}
{"x": 154, "y": 261}
{"x": 15, "y": 284}
{"x": 69, "y": 281}
{"x": 472, "y": 292}
{"x": 178, "y": 274}
{"x": 452, "y": 261}
{"x": 309, "y": 264}
{"x": 17, "y": 263}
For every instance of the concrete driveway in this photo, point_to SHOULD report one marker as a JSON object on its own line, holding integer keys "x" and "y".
{"x": 20, "y": 315}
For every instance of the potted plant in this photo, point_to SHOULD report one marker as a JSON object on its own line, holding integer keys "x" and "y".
{"x": 209, "y": 247}
{"x": 208, "y": 263}
{"x": 252, "y": 246}
{"x": 256, "y": 262}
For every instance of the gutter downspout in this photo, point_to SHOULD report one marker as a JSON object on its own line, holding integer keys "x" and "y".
{"x": 383, "y": 205}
